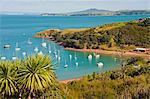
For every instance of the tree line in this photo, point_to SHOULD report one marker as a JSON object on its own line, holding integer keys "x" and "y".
{"x": 110, "y": 35}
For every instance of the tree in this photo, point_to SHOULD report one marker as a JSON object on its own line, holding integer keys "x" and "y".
{"x": 7, "y": 79}
{"x": 36, "y": 75}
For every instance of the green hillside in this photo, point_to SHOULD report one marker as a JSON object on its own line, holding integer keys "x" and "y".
{"x": 34, "y": 78}
{"x": 134, "y": 33}
{"x": 125, "y": 83}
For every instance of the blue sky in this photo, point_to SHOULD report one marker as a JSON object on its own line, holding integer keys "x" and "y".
{"x": 59, "y": 6}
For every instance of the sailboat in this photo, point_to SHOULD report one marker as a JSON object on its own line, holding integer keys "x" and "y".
{"x": 17, "y": 47}
{"x": 59, "y": 58}
{"x": 36, "y": 49}
{"x": 44, "y": 44}
{"x": 14, "y": 57}
{"x": 90, "y": 57}
{"x": 29, "y": 41}
{"x": 77, "y": 63}
{"x": 75, "y": 56}
{"x": 70, "y": 56}
{"x": 40, "y": 53}
{"x": 49, "y": 49}
{"x": 65, "y": 65}
{"x": 100, "y": 64}
{"x": 24, "y": 53}
{"x": 3, "y": 58}
{"x": 97, "y": 56}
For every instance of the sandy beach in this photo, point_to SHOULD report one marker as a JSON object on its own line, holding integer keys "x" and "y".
{"x": 115, "y": 53}
{"x": 69, "y": 80}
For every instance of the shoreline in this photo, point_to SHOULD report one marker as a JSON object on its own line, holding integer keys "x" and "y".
{"x": 113, "y": 53}
{"x": 105, "y": 52}
{"x": 69, "y": 80}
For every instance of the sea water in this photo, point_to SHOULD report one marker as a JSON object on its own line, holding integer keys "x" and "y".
{"x": 18, "y": 29}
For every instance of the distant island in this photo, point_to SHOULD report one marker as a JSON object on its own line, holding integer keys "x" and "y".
{"x": 113, "y": 37}
{"x": 87, "y": 12}
{"x": 97, "y": 12}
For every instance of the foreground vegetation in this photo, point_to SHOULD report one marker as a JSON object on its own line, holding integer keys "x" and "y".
{"x": 115, "y": 35}
{"x": 126, "y": 83}
{"x": 33, "y": 77}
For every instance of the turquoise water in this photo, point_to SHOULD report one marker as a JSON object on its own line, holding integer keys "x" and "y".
{"x": 19, "y": 28}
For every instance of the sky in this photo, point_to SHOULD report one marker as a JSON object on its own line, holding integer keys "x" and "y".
{"x": 61, "y": 6}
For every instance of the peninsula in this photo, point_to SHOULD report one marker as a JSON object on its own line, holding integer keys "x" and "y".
{"x": 112, "y": 39}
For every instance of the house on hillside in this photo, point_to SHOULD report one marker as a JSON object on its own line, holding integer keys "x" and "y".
{"x": 142, "y": 50}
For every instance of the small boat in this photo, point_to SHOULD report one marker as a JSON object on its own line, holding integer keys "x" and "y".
{"x": 3, "y": 58}
{"x": 40, "y": 53}
{"x": 7, "y": 46}
{"x": 24, "y": 53}
{"x": 75, "y": 57}
{"x": 36, "y": 49}
{"x": 56, "y": 56}
{"x": 17, "y": 47}
{"x": 14, "y": 58}
{"x": 44, "y": 44}
{"x": 66, "y": 66}
{"x": 29, "y": 41}
{"x": 77, "y": 63}
{"x": 100, "y": 64}
{"x": 70, "y": 56}
{"x": 90, "y": 57}
{"x": 59, "y": 58}
{"x": 97, "y": 56}
{"x": 49, "y": 49}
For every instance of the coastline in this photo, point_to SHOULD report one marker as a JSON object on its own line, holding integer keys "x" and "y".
{"x": 69, "y": 80}
{"x": 113, "y": 53}
{"x": 105, "y": 52}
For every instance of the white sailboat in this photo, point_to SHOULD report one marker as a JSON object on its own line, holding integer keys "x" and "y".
{"x": 44, "y": 44}
{"x": 7, "y": 46}
{"x": 24, "y": 54}
{"x": 17, "y": 47}
{"x": 97, "y": 56}
{"x": 90, "y": 57}
{"x": 3, "y": 58}
{"x": 40, "y": 53}
{"x": 36, "y": 49}
{"x": 65, "y": 65}
{"x": 14, "y": 58}
{"x": 70, "y": 57}
{"x": 75, "y": 56}
{"x": 100, "y": 64}
{"x": 29, "y": 41}
{"x": 49, "y": 48}
{"x": 77, "y": 63}
{"x": 59, "y": 58}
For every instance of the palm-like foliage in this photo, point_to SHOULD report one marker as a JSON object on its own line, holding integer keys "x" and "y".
{"x": 7, "y": 79}
{"x": 36, "y": 74}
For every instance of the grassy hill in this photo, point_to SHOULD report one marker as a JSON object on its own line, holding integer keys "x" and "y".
{"x": 114, "y": 35}
{"x": 125, "y": 83}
